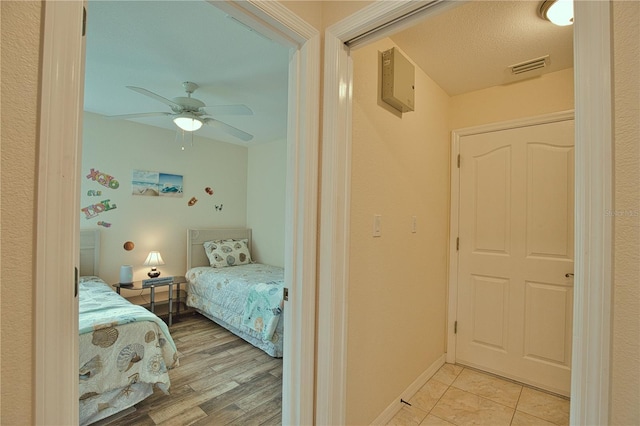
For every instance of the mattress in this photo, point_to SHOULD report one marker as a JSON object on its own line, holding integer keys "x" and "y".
{"x": 124, "y": 350}
{"x": 245, "y": 299}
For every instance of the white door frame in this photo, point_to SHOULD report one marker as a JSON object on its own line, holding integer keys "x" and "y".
{"x": 593, "y": 236}
{"x": 452, "y": 291}
{"x": 56, "y": 338}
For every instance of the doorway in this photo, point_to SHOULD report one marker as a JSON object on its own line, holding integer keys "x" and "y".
{"x": 514, "y": 280}
{"x": 593, "y": 153}
{"x": 56, "y": 379}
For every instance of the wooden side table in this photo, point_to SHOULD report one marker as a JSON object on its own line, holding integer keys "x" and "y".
{"x": 137, "y": 285}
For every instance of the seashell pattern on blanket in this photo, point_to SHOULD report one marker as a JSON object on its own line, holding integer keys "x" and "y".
{"x": 129, "y": 355}
{"x": 88, "y": 395}
{"x": 156, "y": 365}
{"x": 91, "y": 368}
{"x": 150, "y": 336}
{"x": 105, "y": 337}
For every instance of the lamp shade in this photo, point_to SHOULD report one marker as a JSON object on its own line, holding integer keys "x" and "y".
{"x": 188, "y": 122}
{"x": 154, "y": 259}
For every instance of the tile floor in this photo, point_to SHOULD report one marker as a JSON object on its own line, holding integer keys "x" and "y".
{"x": 460, "y": 396}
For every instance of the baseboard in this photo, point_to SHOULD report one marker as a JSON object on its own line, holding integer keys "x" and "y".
{"x": 393, "y": 408}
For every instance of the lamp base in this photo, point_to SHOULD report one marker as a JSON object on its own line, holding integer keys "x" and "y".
{"x": 153, "y": 274}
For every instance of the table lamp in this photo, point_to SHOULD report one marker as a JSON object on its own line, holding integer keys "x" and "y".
{"x": 154, "y": 259}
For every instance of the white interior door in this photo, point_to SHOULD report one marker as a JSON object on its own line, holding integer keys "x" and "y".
{"x": 515, "y": 264}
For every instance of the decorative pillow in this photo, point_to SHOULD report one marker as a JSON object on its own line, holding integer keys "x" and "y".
{"x": 223, "y": 253}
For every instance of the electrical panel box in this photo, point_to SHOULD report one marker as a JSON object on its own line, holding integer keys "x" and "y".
{"x": 398, "y": 76}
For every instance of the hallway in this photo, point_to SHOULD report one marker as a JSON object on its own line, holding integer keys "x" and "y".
{"x": 456, "y": 395}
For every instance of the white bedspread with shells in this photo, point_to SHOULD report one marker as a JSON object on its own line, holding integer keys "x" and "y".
{"x": 124, "y": 351}
{"x": 225, "y": 296}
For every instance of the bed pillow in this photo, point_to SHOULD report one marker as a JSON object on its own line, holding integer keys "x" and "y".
{"x": 223, "y": 253}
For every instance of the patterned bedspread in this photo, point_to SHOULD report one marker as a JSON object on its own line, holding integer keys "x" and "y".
{"x": 124, "y": 351}
{"x": 246, "y": 299}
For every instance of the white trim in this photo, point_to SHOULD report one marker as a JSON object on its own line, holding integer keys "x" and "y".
{"x": 592, "y": 49}
{"x": 300, "y": 255}
{"x": 452, "y": 293}
{"x": 58, "y": 248}
{"x": 271, "y": 19}
{"x": 61, "y": 42}
{"x": 452, "y": 289}
{"x": 594, "y": 229}
{"x": 334, "y": 236}
{"x": 552, "y": 117}
{"x": 302, "y": 198}
{"x": 387, "y": 415}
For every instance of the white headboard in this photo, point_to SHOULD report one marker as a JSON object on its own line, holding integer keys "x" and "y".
{"x": 196, "y": 255}
{"x": 89, "y": 252}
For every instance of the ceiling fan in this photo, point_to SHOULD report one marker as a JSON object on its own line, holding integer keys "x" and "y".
{"x": 190, "y": 114}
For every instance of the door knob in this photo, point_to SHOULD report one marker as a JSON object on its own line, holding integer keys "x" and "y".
{"x": 569, "y": 275}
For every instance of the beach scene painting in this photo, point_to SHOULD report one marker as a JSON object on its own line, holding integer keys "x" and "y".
{"x": 156, "y": 184}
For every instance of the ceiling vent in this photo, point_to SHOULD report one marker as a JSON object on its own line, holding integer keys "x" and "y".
{"x": 530, "y": 65}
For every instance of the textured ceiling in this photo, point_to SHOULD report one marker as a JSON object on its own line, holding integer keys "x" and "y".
{"x": 470, "y": 47}
{"x": 158, "y": 45}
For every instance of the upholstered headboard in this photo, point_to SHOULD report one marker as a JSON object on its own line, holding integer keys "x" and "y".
{"x": 196, "y": 255}
{"x": 89, "y": 252}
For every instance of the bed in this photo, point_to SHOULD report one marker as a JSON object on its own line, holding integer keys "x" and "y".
{"x": 227, "y": 287}
{"x": 124, "y": 350}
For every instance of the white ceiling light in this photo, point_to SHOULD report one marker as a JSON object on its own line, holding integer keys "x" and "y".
{"x": 558, "y": 12}
{"x": 188, "y": 122}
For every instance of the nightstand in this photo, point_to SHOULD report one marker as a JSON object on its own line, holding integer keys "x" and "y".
{"x": 137, "y": 286}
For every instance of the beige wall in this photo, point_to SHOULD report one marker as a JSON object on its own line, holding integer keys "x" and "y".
{"x": 548, "y": 93}
{"x": 397, "y": 282}
{"x": 625, "y": 360}
{"x": 20, "y": 76}
{"x": 117, "y": 147}
{"x": 266, "y": 196}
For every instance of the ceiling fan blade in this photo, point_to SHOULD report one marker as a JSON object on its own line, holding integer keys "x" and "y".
{"x": 138, "y": 115}
{"x": 228, "y": 129}
{"x": 228, "y": 110}
{"x": 152, "y": 95}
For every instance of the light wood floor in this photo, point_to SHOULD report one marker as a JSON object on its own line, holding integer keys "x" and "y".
{"x": 221, "y": 380}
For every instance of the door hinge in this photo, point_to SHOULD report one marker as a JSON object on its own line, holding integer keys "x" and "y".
{"x": 458, "y": 244}
{"x": 285, "y": 293}
{"x": 458, "y": 160}
{"x": 455, "y": 327}
{"x": 84, "y": 21}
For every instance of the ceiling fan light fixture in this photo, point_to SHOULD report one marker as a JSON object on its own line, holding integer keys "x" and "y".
{"x": 558, "y": 12}
{"x": 188, "y": 122}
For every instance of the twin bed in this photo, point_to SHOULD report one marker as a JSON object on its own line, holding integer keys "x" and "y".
{"x": 124, "y": 350}
{"x": 227, "y": 287}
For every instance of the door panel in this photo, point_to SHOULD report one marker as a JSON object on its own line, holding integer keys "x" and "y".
{"x": 547, "y": 316}
{"x": 493, "y": 201}
{"x": 550, "y": 193}
{"x": 490, "y": 316}
{"x": 516, "y": 245}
